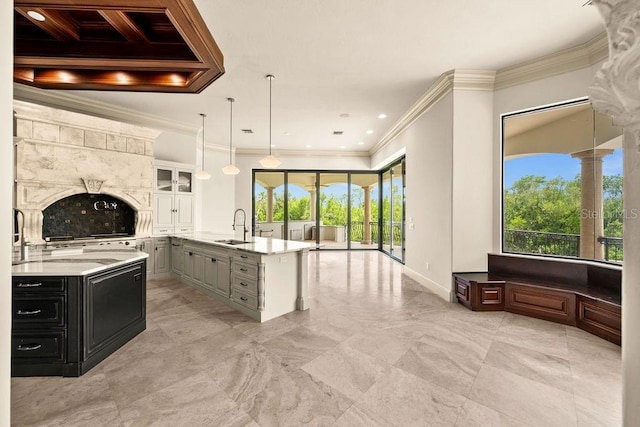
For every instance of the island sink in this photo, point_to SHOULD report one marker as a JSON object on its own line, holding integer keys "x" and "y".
{"x": 232, "y": 241}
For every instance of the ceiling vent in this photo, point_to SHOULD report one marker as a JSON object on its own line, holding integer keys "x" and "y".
{"x": 247, "y": 131}
{"x": 338, "y": 132}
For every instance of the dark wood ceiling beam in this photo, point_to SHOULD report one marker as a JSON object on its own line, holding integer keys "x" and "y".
{"x": 100, "y": 50}
{"x": 109, "y": 64}
{"x": 124, "y": 25}
{"x": 57, "y": 23}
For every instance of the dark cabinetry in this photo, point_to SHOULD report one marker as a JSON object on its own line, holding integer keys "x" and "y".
{"x": 65, "y": 325}
{"x": 578, "y": 294}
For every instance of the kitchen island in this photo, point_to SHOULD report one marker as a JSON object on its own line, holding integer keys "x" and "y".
{"x": 72, "y": 308}
{"x": 262, "y": 277}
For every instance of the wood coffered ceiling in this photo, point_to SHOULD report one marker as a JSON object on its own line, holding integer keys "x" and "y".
{"x": 130, "y": 45}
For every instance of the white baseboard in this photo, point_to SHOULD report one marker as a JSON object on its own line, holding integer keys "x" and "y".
{"x": 443, "y": 292}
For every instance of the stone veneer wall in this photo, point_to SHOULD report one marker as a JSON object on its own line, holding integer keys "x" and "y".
{"x": 61, "y": 153}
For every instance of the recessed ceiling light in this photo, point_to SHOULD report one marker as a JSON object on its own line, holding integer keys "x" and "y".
{"x": 36, "y": 15}
{"x": 360, "y": 143}
{"x": 308, "y": 146}
{"x": 273, "y": 145}
{"x": 369, "y": 132}
{"x": 287, "y": 133}
{"x": 344, "y": 115}
{"x": 382, "y": 116}
{"x": 342, "y": 147}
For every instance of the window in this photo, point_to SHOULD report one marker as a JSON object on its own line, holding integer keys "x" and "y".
{"x": 562, "y": 183}
{"x": 333, "y": 209}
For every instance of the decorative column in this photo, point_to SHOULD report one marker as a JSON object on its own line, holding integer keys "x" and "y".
{"x": 302, "y": 302}
{"x": 366, "y": 235}
{"x": 591, "y": 220}
{"x": 616, "y": 92}
{"x": 269, "y": 204}
{"x": 312, "y": 205}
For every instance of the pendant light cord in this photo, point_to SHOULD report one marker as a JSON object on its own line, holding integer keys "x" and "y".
{"x": 230, "y": 128}
{"x": 270, "y": 77}
{"x": 203, "y": 116}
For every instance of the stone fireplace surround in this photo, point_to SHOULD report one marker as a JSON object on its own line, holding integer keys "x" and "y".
{"x": 60, "y": 153}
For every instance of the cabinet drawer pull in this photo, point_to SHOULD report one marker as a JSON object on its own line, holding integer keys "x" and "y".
{"x": 175, "y": 244}
{"x": 29, "y": 347}
{"x": 190, "y": 253}
{"x": 244, "y": 256}
{"x": 243, "y": 269}
{"x": 29, "y": 312}
{"x": 213, "y": 260}
{"x": 29, "y": 285}
{"x": 245, "y": 299}
{"x": 243, "y": 284}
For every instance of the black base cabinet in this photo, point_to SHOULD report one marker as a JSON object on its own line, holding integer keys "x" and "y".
{"x": 66, "y": 325}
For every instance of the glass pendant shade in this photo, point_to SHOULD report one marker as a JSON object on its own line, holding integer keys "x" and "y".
{"x": 230, "y": 169}
{"x": 270, "y": 162}
{"x": 202, "y": 174}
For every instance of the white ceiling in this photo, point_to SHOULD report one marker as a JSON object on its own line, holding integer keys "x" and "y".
{"x": 360, "y": 57}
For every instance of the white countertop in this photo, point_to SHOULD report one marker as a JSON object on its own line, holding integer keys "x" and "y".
{"x": 75, "y": 261}
{"x": 257, "y": 245}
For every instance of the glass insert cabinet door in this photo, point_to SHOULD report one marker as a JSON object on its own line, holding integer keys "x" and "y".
{"x": 173, "y": 180}
{"x": 164, "y": 180}
{"x": 184, "y": 181}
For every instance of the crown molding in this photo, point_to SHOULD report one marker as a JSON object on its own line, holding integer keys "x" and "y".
{"x": 447, "y": 82}
{"x": 79, "y": 104}
{"x": 575, "y": 58}
{"x": 252, "y": 152}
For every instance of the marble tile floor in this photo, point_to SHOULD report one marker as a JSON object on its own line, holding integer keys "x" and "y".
{"x": 375, "y": 349}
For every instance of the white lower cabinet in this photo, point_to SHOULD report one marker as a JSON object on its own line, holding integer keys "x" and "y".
{"x": 176, "y": 256}
{"x": 260, "y": 286}
{"x": 216, "y": 273}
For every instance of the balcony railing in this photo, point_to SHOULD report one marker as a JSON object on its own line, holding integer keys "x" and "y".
{"x": 537, "y": 242}
{"x": 388, "y": 229}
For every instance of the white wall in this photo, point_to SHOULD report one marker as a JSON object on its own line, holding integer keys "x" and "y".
{"x": 472, "y": 233}
{"x": 6, "y": 189}
{"x": 215, "y": 197}
{"x": 429, "y": 163}
{"x": 175, "y": 147}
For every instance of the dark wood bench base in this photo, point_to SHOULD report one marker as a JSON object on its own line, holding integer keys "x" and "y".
{"x": 575, "y": 294}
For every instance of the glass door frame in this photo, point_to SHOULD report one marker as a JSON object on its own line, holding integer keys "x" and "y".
{"x": 348, "y": 173}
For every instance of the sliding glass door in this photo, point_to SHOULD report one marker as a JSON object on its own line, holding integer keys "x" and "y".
{"x": 332, "y": 209}
{"x": 392, "y": 203}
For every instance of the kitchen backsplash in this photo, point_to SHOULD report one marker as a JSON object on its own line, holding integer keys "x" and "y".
{"x": 88, "y": 215}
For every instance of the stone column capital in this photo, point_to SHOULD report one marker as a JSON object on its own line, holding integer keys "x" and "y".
{"x": 592, "y": 154}
{"x": 615, "y": 90}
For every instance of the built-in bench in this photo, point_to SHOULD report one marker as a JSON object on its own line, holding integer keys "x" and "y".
{"x": 575, "y": 293}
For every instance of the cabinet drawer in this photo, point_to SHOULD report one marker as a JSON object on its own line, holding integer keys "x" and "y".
{"x": 242, "y": 298}
{"x": 37, "y": 284}
{"x": 246, "y": 257}
{"x": 546, "y": 304}
{"x": 243, "y": 284}
{"x": 44, "y": 311}
{"x": 245, "y": 269}
{"x": 47, "y": 346}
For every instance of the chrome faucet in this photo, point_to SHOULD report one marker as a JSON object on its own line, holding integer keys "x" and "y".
{"x": 23, "y": 243}
{"x": 244, "y": 223}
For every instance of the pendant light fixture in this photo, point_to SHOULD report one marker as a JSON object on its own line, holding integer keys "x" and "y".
{"x": 202, "y": 174}
{"x": 230, "y": 169}
{"x": 270, "y": 162}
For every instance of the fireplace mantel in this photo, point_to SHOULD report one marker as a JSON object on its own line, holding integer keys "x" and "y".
{"x": 58, "y": 152}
